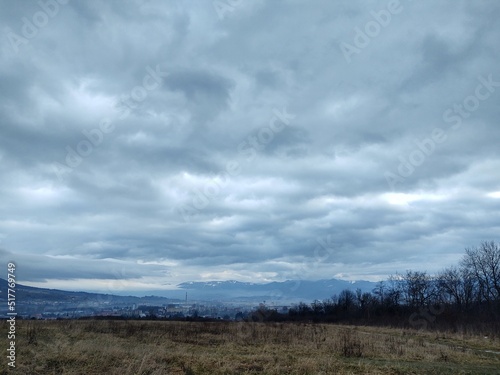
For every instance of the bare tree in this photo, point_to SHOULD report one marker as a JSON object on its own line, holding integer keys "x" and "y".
{"x": 457, "y": 286}
{"x": 418, "y": 288}
{"x": 347, "y": 300}
{"x": 379, "y": 291}
{"x": 394, "y": 291}
{"x": 484, "y": 264}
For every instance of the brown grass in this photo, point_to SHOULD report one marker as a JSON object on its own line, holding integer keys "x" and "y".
{"x": 158, "y": 347}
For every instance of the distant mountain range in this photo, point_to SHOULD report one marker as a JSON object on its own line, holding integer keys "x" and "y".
{"x": 290, "y": 290}
{"x": 35, "y": 300}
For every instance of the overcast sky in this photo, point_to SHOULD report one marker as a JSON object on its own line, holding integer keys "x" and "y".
{"x": 146, "y": 143}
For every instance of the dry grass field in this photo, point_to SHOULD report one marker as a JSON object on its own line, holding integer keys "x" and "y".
{"x": 159, "y": 347}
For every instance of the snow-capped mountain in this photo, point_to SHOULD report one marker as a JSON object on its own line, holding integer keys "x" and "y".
{"x": 290, "y": 290}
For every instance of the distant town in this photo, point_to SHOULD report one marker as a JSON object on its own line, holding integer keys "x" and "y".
{"x": 226, "y": 300}
{"x": 179, "y": 310}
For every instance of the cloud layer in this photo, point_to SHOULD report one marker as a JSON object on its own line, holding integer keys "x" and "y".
{"x": 159, "y": 142}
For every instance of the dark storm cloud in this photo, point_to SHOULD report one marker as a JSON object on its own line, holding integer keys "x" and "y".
{"x": 202, "y": 88}
{"x": 189, "y": 99}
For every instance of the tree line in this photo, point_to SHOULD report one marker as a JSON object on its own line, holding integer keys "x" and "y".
{"x": 465, "y": 297}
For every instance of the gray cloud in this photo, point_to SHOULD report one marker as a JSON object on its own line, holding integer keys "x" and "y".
{"x": 174, "y": 137}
